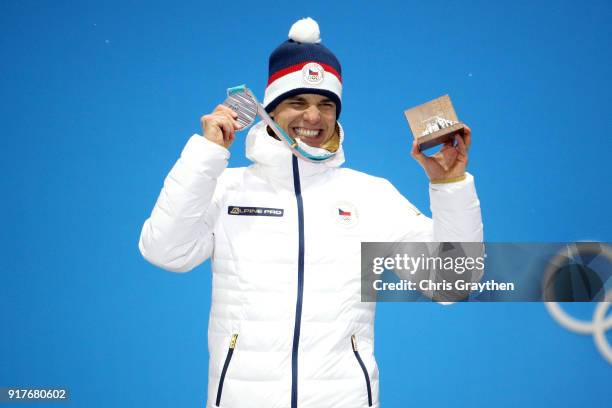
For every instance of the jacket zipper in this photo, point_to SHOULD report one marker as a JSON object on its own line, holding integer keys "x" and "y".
{"x": 230, "y": 351}
{"x": 300, "y": 289}
{"x": 363, "y": 368}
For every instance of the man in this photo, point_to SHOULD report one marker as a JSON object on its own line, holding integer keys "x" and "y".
{"x": 287, "y": 327}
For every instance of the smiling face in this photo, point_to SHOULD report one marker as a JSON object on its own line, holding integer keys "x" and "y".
{"x": 309, "y": 117}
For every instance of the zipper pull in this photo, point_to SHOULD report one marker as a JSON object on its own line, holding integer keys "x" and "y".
{"x": 233, "y": 341}
{"x": 354, "y": 341}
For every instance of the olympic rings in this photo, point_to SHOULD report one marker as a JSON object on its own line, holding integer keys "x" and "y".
{"x": 598, "y": 326}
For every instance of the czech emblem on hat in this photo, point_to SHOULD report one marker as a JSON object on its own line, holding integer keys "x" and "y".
{"x": 312, "y": 73}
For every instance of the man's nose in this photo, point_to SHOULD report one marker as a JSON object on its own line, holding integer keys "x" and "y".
{"x": 312, "y": 114}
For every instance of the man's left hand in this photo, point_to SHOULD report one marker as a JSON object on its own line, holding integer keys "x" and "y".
{"x": 450, "y": 162}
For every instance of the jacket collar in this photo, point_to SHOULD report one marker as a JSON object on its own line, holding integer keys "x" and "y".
{"x": 274, "y": 157}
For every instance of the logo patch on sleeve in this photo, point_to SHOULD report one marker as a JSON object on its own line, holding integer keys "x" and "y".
{"x": 255, "y": 211}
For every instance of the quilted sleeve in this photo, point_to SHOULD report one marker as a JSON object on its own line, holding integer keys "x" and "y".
{"x": 178, "y": 234}
{"x": 456, "y": 211}
{"x": 456, "y": 218}
{"x": 455, "y": 214}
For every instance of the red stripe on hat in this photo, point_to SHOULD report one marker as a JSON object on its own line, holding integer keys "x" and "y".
{"x": 298, "y": 67}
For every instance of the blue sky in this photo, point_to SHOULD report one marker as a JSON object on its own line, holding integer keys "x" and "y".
{"x": 99, "y": 98}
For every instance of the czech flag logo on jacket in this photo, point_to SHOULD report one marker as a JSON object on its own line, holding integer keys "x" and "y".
{"x": 345, "y": 214}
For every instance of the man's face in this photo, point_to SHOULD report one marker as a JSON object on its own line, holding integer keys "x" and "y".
{"x": 309, "y": 117}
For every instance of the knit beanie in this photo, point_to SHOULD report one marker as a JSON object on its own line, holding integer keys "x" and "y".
{"x": 303, "y": 65}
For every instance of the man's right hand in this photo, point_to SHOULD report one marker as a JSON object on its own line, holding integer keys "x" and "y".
{"x": 220, "y": 126}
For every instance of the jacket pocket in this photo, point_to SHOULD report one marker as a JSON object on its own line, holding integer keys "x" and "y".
{"x": 230, "y": 351}
{"x": 363, "y": 368}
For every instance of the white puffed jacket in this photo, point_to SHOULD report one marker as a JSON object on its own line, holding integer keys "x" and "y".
{"x": 287, "y": 326}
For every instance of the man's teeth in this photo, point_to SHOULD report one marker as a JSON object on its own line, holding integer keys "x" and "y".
{"x": 306, "y": 132}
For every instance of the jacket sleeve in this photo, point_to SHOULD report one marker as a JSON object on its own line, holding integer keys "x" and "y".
{"x": 178, "y": 234}
{"x": 455, "y": 218}
{"x": 455, "y": 215}
{"x": 456, "y": 211}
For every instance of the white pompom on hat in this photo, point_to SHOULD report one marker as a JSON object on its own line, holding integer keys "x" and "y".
{"x": 303, "y": 65}
{"x": 305, "y": 30}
